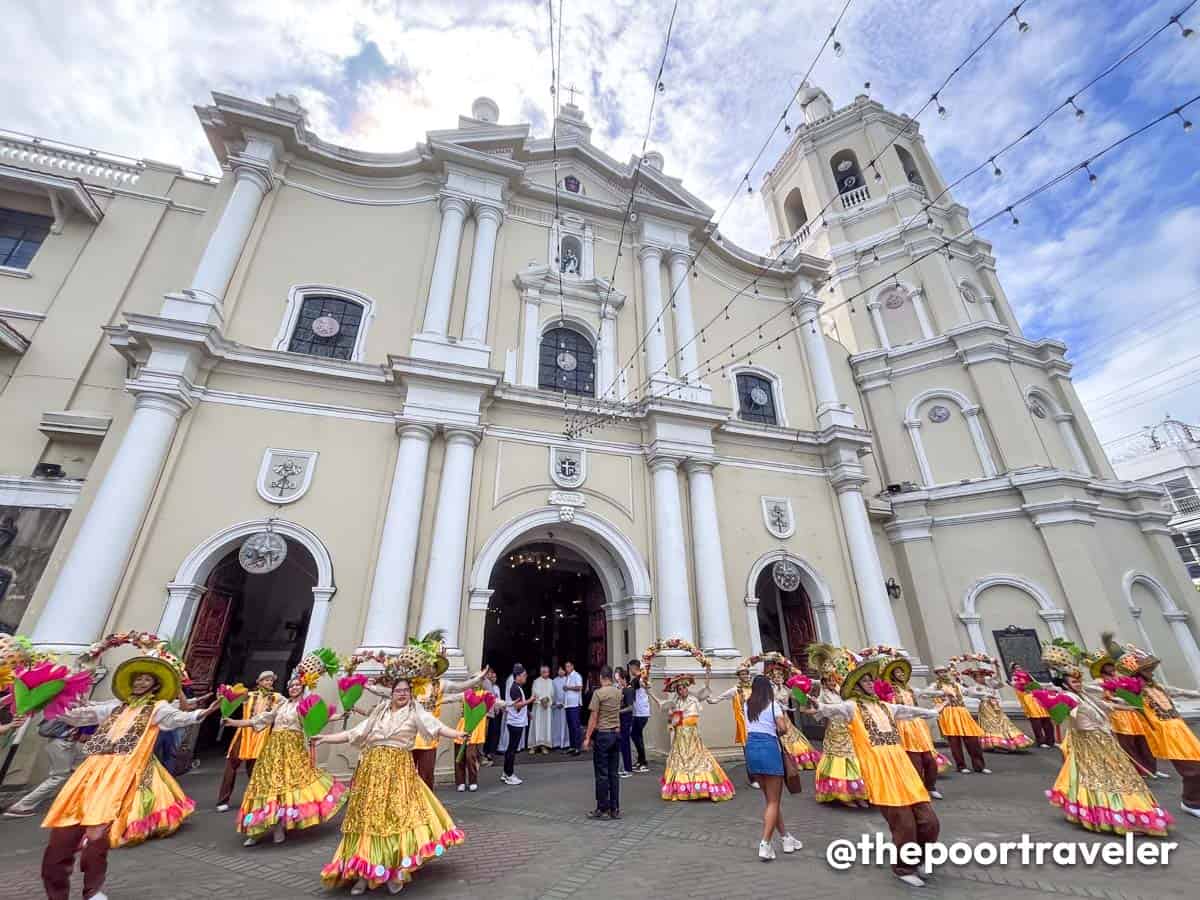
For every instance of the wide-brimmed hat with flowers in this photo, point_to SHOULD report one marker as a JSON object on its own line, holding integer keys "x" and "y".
{"x": 832, "y": 662}
{"x": 161, "y": 664}
{"x": 870, "y": 669}
{"x": 672, "y": 682}
{"x": 1063, "y": 657}
{"x": 1128, "y": 659}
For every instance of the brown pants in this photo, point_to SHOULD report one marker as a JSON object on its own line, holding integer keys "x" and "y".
{"x": 1138, "y": 750}
{"x": 957, "y": 742}
{"x": 925, "y": 763}
{"x": 1189, "y": 771}
{"x": 466, "y": 769}
{"x": 1043, "y": 730}
{"x": 916, "y": 824}
{"x": 232, "y": 763}
{"x": 426, "y": 762}
{"x": 59, "y": 860}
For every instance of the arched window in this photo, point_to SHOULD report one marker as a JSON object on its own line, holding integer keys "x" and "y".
{"x": 909, "y": 165}
{"x": 756, "y": 399}
{"x": 570, "y": 255}
{"x": 567, "y": 362}
{"x": 326, "y": 325}
{"x": 846, "y": 172}
{"x": 793, "y": 209}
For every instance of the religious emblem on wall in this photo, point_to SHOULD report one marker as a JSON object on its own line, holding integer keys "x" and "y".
{"x": 285, "y": 475}
{"x": 786, "y": 575}
{"x": 939, "y": 414}
{"x": 262, "y": 552}
{"x": 568, "y": 466}
{"x": 777, "y": 516}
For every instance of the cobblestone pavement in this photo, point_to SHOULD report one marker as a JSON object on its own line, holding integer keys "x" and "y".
{"x": 532, "y": 842}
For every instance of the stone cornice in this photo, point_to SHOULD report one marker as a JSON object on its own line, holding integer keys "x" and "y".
{"x": 540, "y": 280}
{"x": 11, "y": 340}
{"x": 71, "y": 191}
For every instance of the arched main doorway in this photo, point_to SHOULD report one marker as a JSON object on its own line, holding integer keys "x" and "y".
{"x": 785, "y": 617}
{"x": 546, "y": 607}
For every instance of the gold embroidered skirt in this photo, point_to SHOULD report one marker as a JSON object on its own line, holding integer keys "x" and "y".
{"x": 839, "y": 777}
{"x": 999, "y": 733}
{"x": 286, "y": 787}
{"x": 795, "y": 743}
{"x": 692, "y": 773}
{"x": 1099, "y": 788}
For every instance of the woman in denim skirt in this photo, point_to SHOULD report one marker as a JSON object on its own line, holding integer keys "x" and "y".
{"x": 764, "y": 762}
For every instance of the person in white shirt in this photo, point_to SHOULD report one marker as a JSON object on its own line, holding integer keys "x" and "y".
{"x": 558, "y": 726}
{"x": 572, "y": 703}
{"x": 765, "y": 720}
{"x": 515, "y": 723}
{"x": 541, "y": 731}
{"x": 641, "y": 715}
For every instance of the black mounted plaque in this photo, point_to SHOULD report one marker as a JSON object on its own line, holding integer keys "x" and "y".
{"x": 571, "y": 183}
{"x": 1021, "y": 646}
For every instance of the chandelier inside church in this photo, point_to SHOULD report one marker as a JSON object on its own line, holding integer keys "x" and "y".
{"x": 543, "y": 560}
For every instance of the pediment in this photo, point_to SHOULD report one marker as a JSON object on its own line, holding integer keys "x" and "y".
{"x": 545, "y": 281}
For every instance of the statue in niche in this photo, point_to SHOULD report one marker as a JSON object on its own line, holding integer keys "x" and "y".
{"x": 570, "y": 262}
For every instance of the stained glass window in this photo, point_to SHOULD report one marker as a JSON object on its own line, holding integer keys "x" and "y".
{"x": 326, "y": 326}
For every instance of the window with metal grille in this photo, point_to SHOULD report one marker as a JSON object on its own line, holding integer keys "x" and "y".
{"x": 567, "y": 362}
{"x": 756, "y": 399}
{"x": 1188, "y": 546}
{"x": 1182, "y": 495}
{"x": 326, "y": 326}
{"x": 21, "y": 234}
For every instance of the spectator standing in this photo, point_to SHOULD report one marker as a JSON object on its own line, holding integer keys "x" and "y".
{"x": 604, "y": 726}
{"x": 641, "y": 715}
{"x": 493, "y": 716}
{"x": 628, "y": 694}
{"x": 516, "y": 721}
{"x": 765, "y": 721}
{"x": 561, "y": 739}
{"x": 572, "y": 703}
{"x": 63, "y": 751}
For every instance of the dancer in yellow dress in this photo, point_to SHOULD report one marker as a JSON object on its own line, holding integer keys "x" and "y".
{"x": 394, "y": 822}
{"x": 738, "y": 695}
{"x": 286, "y": 791}
{"x": 247, "y": 743}
{"x": 958, "y": 727}
{"x": 691, "y": 772}
{"x": 1168, "y": 735}
{"x": 120, "y": 794}
{"x": 1098, "y": 787}
{"x": 1039, "y": 719}
{"x": 1129, "y": 726}
{"x": 915, "y": 736}
{"x": 779, "y": 669}
{"x": 838, "y": 778}
{"x": 892, "y": 784}
{"x": 999, "y": 732}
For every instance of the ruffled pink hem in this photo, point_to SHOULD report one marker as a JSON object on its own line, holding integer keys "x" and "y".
{"x": 357, "y": 867}
{"x": 808, "y": 759}
{"x": 999, "y": 742}
{"x": 831, "y": 789}
{"x": 161, "y": 821}
{"x": 697, "y": 790}
{"x": 1100, "y": 818}
{"x": 299, "y": 816}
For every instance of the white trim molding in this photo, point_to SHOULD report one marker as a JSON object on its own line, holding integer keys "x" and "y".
{"x": 1176, "y": 618}
{"x": 1064, "y": 421}
{"x": 971, "y": 412}
{"x": 39, "y": 493}
{"x": 772, "y": 377}
{"x": 1052, "y": 615}
{"x": 297, "y": 294}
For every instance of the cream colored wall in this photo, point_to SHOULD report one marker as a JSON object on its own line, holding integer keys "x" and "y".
{"x": 1003, "y": 605}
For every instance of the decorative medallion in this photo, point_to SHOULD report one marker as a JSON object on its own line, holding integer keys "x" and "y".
{"x": 759, "y": 397}
{"x": 967, "y": 294}
{"x": 568, "y": 466}
{"x": 285, "y": 475}
{"x": 326, "y": 326}
{"x": 1036, "y": 407}
{"x": 777, "y": 516}
{"x": 845, "y": 165}
{"x": 849, "y": 181}
{"x": 894, "y": 299}
{"x": 262, "y": 552}
{"x": 939, "y": 413}
{"x": 786, "y": 575}
{"x": 566, "y": 361}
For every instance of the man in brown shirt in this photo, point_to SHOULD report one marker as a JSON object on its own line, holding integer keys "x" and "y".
{"x": 604, "y": 723}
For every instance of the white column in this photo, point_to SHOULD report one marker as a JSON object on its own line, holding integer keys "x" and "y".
{"x": 752, "y": 625}
{"x": 980, "y": 440}
{"x": 252, "y": 180}
{"x": 1066, "y": 428}
{"x": 314, "y": 637}
{"x": 1186, "y": 640}
{"x": 989, "y": 308}
{"x": 685, "y": 328}
{"x": 607, "y": 357}
{"x": 176, "y": 621}
{"x": 878, "y": 618}
{"x": 442, "y": 606}
{"x": 391, "y": 589}
{"x": 875, "y": 308}
{"x": 824, "y": 385}
{"x": 922, "y": 310}
{"x": 656, "y": 339}
{"x": 913, "y": 426}
{"x": 79, "y": 604}
{"x": 530, "y": 339}
{"x": 670, "y": 554}
{"x": 479, "y": 288}
{"x": 716, "y": 627}
{"x": 445, "y": 265}
{"x": 974, "y": 624}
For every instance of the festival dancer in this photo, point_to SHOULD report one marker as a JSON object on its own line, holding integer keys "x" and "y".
{"x": 1039, "y": 719}
{"x": 691, "y": 772}
{"x": 779, "y": 669}
{"x": 120, "y": 795}
{"x": 839, "y": 778}
{"x": 1098, "y": 787}
{"x": 1129, "y": 726}
{"x": 394, "y": 822}
{"x": 287, "y": 792}
{"x": 892, "y": 784}
{"x": 958, "y": 726}
{"x": 915, "y": 736}
{"x": 248, "y": 743}
{"x": 999, "y": 733}
{"x": 1169, "y": 736}
{"x": 738, "y": 695}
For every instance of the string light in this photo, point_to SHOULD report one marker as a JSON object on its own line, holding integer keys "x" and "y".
{"x": 1079, "y": 113}
{"x": 1015, "y": 220}
{"x": 662, "y": 88}
{"x": 941, "y": 110}
{"x": 996, "y": 173}
{"x": 1187, "y": 126}
{"x": 1092, "y": 179}
{"x": 1183, "y": 29}
{"x": 1022, "y": 27}
{"x": 838, "y": 50}
{"x": 875, "y": 169}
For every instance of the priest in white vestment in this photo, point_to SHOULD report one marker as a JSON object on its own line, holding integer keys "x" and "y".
{"x": 558, "y": 723}
{"x": 541, "y": 713}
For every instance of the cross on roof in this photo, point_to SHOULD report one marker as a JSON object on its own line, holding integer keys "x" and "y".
{"x": 572, "y": 90}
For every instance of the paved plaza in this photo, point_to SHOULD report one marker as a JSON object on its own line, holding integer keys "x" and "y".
{"x": 532, "y": 842}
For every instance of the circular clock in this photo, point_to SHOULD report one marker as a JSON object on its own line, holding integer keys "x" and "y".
{"x": 759, "y": 396}
{"x": 566, "y": 361}
{"x": 326, "y": 326}
{"x": 262, "y": 552}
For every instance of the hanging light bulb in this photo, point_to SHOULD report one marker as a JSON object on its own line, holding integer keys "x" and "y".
{"x": 838, "y": 50}
{"x": 1015, "y": 220}
{"x": 662, "y": 88}
{"x": 1187, "y": 126}
{"x": 867, "y": 86}
{"x": 787, "y": 128}
{"x": 875, "y": 169}
{"x": 749, "y": 190}
{"x": 874, "y": 255}
{"x": 1079, "y": 113}
{"x": 928, "y": 218}
{"x": 1183, "y": 29}
{"x": 1022, "y": 27}
{"x": 995, "y": 168}
{"x": 941, "y": 110}
{"x": 1092, "y": 179}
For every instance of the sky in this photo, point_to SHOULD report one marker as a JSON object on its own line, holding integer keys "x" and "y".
{"x": 1112, "y": 268}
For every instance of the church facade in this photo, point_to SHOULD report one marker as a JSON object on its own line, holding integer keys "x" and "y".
{"x": 339, "y": 398}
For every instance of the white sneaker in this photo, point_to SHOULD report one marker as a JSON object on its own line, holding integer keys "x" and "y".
{"x": 985, "y": 771}
{"x": 221, "y": 807}
{"x": 512, "y": 779}
{"x": 791, "y": 844}
{"x": 756, "y": 785}
{"x": 936, "y": 795}
{"x": 472, "y": 788}
{"x": 100, "y": 895}
{"x": 911, "y": 880}
{"x": 1190, "y": 810}
{"x": 1162, "y": 774}
{"x": 624, "y": 774}
{"x": 249, "y": 842}
{"x": 964, "y": 771}
{"x": 765, "y": 851}
{"x": 462, "y": 788}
